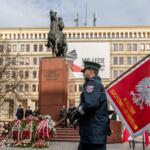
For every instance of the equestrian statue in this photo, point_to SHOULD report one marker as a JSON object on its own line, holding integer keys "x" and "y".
{"x": 56, "y": 38}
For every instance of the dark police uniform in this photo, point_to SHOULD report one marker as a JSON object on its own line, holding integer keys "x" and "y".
{"x": 92, "y": 115}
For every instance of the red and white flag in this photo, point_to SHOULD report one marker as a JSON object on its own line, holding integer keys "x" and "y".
{"x": 130, "y": 97}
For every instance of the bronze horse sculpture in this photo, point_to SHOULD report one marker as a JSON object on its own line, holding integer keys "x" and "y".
{"x": 56, "y": 38}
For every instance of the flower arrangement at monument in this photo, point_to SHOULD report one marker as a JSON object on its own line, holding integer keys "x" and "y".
{"x": 33, "y": 131}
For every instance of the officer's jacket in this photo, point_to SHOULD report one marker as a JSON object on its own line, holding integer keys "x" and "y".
{"x": 93, "y": 123}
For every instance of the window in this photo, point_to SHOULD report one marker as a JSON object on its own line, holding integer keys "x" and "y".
{"x": 35, "y": 48}
{"x": 71, "y": 88}
{"x": 14, "y": 48}
{"x": 148, "y": 47}
{"x": 82, "y": 35}
{"x": 129, "y": 61}
{"x": 21, "y": 74}
{"x": 14, "y": 75}
{"x": 120, "y": 47}
{"x": 21, "y": 61}
{"x": 80, "y": 87}
{"x": 74, "y": 36}
{"x": 1, "y": 48}
{"x": 121, "y": 35}
{"x": 113, "y": 35}
{"x": 8, "y": 60}
{"x": 28, "y": 48}
{"x": 108, "y": 35}
{"x": 121, "y": 61}
{"x": 134, "y": 60}
{"x": 31, "y": 36}
{"x": 104, "y": 35}
{"x": 14, "y": 36}
{"x": 20, "y": 88}
{"x": 33, "y": 88}
{"x": 69, "y": 35}
{"x": 18, "y": 36}
{"x": 134, "y": 47}
{"x": 142, "y": 47}
{"x": 115, "y": 48}
{"x": 117, "y": 35}
{"x": 128, "y": 47}
{"x": 27, "y": 61}
{"x": 34, "y": 61}
{"x": 115, "y": 60}
{"x": 44, "y": 36}
{"x": 139, "y": 34}
{"x": 121, "y": 72}
{"x": 22, "y": 36}
{"x": 22, "y": 48}
{"x": 115, "y": 73}
{"x": 7, "y": 74}
{"x": 34, "y": 74}
{"x": 87, "y": 35}
{"x": 8, "y": 48}
{"x": 95, "y": 35}
{"x": 1, "y": 61}
{"x": 13, "y": 61}
{"x": 35, "y": 35}
{"x": 78, "y": 35}
{"x": 10, "y": 36}
{"x": 39, "y": 35}
{"x": 26, "y": 74}
{"x": 27, "y": 36}
{"x": 75, "y": 88}
{"x": 41, "y": 47}
{"x": 26, "y": 87}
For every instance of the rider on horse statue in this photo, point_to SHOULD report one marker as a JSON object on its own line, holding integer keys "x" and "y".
{"x": 56, "y": 38}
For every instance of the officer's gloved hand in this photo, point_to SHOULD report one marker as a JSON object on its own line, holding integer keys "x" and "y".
{"x": 75, "y": 124}
{"x": 74, "y": 115}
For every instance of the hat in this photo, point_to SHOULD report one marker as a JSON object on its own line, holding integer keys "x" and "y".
{"x": 91, "y": 65}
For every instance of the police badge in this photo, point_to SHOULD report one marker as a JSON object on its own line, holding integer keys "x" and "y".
{"x": 89, "y": 89}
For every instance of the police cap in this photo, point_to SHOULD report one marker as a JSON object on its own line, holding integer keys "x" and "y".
{"x": 91, "y": 65}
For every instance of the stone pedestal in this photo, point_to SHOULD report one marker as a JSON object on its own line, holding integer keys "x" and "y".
{"x": 53, "y": 84}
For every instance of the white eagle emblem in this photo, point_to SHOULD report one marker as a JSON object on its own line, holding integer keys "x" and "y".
{"x": 142, "y": 94}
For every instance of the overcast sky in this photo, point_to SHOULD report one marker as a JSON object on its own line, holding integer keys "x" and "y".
{"x": 35, "y": 13}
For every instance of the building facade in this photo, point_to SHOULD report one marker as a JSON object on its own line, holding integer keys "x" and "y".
{"x": 127, "y": 45}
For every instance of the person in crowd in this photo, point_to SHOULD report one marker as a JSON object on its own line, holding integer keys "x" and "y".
{"x": 20, "y": 113}
{"x": 28, "y": 112}
{"x": 70, "y": 109}
{"x": 92, "y": 112}
{"x": 63, "y": 115}
{"x": 36, "y": 112}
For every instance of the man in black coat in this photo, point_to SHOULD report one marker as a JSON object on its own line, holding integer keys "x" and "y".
{"x": 92, "y": 112}
{"x": 28, "y": 112}
{"x": 20, "y": 113}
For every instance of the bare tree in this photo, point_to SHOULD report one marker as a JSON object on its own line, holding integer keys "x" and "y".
{"x": 10, "y": 77}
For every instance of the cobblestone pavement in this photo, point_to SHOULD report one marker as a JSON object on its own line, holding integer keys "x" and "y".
{"x": 73, "y": 146}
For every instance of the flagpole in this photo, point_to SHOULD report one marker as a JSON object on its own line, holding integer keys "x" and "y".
{"x": 127, "y": 71}
{"x": 143, "y": 143}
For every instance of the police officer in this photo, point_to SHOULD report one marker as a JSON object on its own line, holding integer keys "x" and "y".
{"x": 92, "y": 112}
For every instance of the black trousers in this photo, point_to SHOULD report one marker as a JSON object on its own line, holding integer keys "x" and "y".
{"x": 84, "y": 146}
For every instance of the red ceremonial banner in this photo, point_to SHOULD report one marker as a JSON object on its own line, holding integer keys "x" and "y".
{"x": 130, "y": 97}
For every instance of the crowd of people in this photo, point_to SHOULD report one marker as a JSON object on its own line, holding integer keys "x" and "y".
{"x": 21, "y": 113}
